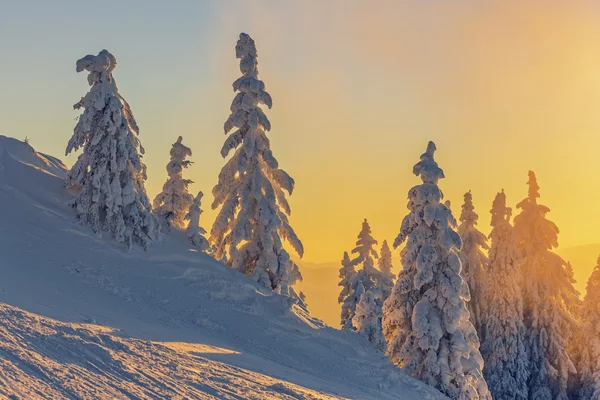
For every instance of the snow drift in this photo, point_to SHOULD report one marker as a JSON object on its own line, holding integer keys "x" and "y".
{"x": 81, "y": 317}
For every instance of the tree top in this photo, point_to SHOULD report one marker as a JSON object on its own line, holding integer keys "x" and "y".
{"x": 103, "y": 62}
{"x": 534, "y": 189}
{"x": 427, "y": 168}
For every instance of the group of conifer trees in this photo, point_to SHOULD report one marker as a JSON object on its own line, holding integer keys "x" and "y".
{"x": 109, "y": 178}
{"x": 109, "y": 174}
{"x": 471, "y": 315}
{"x": 462, "y": 315}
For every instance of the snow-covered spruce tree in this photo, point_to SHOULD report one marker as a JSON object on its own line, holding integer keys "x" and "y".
{"x": 589, "y": 364}
{"x": 370, "y": 281}
{"x": 367, "y": 317}
{"x": 355, "y": 283}
{"x": 194, "y": 231}
{"x": 172, "y": 204}
{"x": 109, "y": 173}
{"x": 347, "y": 273}
{"x": 425, "y": 319}
{"x": 473, "y": 259}
{"x": 548, "y": 322}
{"x": 253, "y": 219}
{"x": 503, "y": 347}
{"x": 365, "y": 253}
{"x": 385, "y": 267}
{"x": 572, "y": 297}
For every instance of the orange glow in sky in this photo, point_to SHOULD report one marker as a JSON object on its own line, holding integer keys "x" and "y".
{"x": 359, "y": 88}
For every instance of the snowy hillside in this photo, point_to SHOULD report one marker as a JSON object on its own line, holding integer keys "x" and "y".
{"x": 81, "y": 317}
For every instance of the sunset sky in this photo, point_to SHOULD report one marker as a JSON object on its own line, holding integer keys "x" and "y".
{"x": 358, "y": 89}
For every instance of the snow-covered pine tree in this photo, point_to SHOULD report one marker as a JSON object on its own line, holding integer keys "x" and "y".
{"x": 503, "y": 347}
{"x": 355, "y": 283}
{"x": 370, "y": 281}
{"x": 473, "y": 259}
{"x": 253, "y": 219}
{"x": 365, "y": 253}
{"x": 347, "y": 273}
{"x": 194, "y": 231}
{"x": 385, "y": 267}
{"x": 109, "y": 173}
{"x": 425, "y": 319}
{"x": 172, "y": 204}
{"x": 572, "y": 297}
{"x": 589, "y": 364}
{"x": 367, "y": 317}
{"x": 385, "y": 260}
{"x": 548, "y": 322}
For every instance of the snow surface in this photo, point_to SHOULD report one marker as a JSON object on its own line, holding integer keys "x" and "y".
{"x": 81, "y": 317}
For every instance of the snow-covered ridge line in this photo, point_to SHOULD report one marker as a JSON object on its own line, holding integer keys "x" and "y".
{"x": 144, "y": 302}
{"x": 23, "y": 152}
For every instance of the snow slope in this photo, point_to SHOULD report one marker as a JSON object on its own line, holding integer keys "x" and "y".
{"x": 80, "y": 317}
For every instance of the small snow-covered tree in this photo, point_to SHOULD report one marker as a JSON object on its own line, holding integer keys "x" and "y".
{"x": 546, "y": 286}
{"x": 385, "y": 267}
{"x": 589, "y": 364}
{"x": 365, "y": 253}
{"x": 385, "y": 260}
{"x": 425, "y": 319}
{"x": 503, "y": 345}
{"x": 194, "y": 231}
{"x": 253, "y": 219}
{"x": 347, "y": 273}
{"x": 109, "y": 173}
{"x": 367, "y": 318}
{"x": 473, "y": 259}
{"x": 355, "y": 283}
{"x": 172, "y": 204}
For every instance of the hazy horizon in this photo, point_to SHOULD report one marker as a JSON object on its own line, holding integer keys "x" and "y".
{"x": 501, "y": 87}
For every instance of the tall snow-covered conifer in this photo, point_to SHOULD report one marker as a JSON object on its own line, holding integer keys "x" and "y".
{"x": 503, "y": 347}
{"x": 365, "y": 253}
{"x": 172, "y": 204}
{"x": 347, "y": 281}
{"x": 589, "y": 365}
{"x": 385, "y": 260}
{"x": 548, "y": 321}
{"x": 194, "y": 231}
{"x": 426, "y": 321}
{"x": 253, "y": 220}
{"x": 473, "y": 259}
{"x": 369, "y": 284}
{"x": 355, "y": 283}
{"x": 571, "y": 296}
{"x": 385, "y": 266}
{"x": 109, "y": 172}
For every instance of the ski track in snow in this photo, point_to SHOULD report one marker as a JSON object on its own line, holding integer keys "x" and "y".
{"x": 83, "y": 318}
